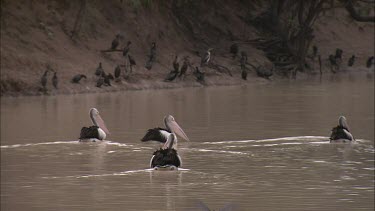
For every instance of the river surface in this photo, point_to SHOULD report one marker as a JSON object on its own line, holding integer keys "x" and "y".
{"x": 257, "y": 147}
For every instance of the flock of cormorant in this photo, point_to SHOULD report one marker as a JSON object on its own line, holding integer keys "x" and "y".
{"x": 104, "y": 79}
{"x": 167, "y": 156}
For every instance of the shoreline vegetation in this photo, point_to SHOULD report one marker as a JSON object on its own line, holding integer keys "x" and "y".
{"x": 53, "y": 48}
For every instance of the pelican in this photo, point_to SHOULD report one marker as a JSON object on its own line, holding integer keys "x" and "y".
{"x": 166, "y": 157}
{"x": 341, "y": 133}
{"x": 96, "y": 132}
{"x": 162, "y": 134}
{"x": 206, "y": 57}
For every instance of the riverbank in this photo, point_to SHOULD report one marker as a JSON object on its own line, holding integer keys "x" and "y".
{"x": 37, "y": 34}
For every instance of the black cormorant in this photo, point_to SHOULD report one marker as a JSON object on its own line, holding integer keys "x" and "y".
{"x": 184, "y": 67}
{"x": 333, "y": 62}
{"x": 351, "y": 61}
{"x": 55, "y": 80}
{"x": 176, "y": 65}
{"x": 43, "y": 80}
{"x": 117, "y": 71}
{"x": 115, "y": 42}
{"x": 77, "y": 78}
{"x": 126, "y": 49}
{"x": 264, "y": 72}
{"x": 99, "y": 70}
{"x": 100, "y": 82}
{"x": 131, "y": 62}
{"x": 370, "y": 62}
{"x": 199, "y": 75}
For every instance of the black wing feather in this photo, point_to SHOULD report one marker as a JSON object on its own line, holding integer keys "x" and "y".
{"x": 89, "y": 132}
{"x": 155, "y": 135}
{"x": 338, "y": 133}
{"x": 164, "y": 157}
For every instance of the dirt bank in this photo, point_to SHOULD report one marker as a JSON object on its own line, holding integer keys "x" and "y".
{"x": 37, "y": 33}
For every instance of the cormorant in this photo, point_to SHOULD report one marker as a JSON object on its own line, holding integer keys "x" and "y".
{"x": 341, "y": 132}
{"x": 99, "y": 70}
{"x": 234, "y": 50}
{"x": 351, "y": 61}
{"x": 243, "y": 61}
{"x": 206, "y": 57}
{"x": 115, "y": 42}
{"x": 184, "y": 67}
{"x": 126, "y": 49}
{"x": 131, "y": 62}
{"x": 107, "y": 78}
{"x": 176, "y": 65}
{"x": 97, "y": 132}
{"x": 370, "y": 61}
{"x": 315, "y": 51}
{"x": 338, "y": 57}
{"x": 199, "y": 75}
{"x": 117, "y": 71}
{"x": 100, "y": 82}
{"x": 43, "y": 80}
{"x": 333, "y": 62}
{"x": 172, "y": 75}
{"x": 77, "y": 78}
{"x": 153, "y": 52}
{"x": 264, "y": 72}
{"x": 55, "y": 80}
{"x": 152, "y": 56}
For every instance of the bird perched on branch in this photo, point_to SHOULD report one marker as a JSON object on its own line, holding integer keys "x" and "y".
{"x": 77, "y": 78}
{"x": 234, "y": 50}
{"x": 206, "y": 57}
{"x": 115, "y": 42}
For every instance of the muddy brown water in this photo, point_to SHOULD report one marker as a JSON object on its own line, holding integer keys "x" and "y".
{"x": 256, "y": 147}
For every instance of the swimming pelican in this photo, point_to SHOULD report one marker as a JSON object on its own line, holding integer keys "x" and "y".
{"x": 341, "y": 133}
{"x": 167, "y": 156}
{"x": 96, "y": 132}
{"x": 162, "y": 134}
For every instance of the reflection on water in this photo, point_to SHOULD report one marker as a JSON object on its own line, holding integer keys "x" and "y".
{"x": 258, "y": 147}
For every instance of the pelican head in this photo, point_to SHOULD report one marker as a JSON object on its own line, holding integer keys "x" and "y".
{"x": 343, "y": 123}
{"x": 172, "y": 125}
{"x": 97, "y": 120}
